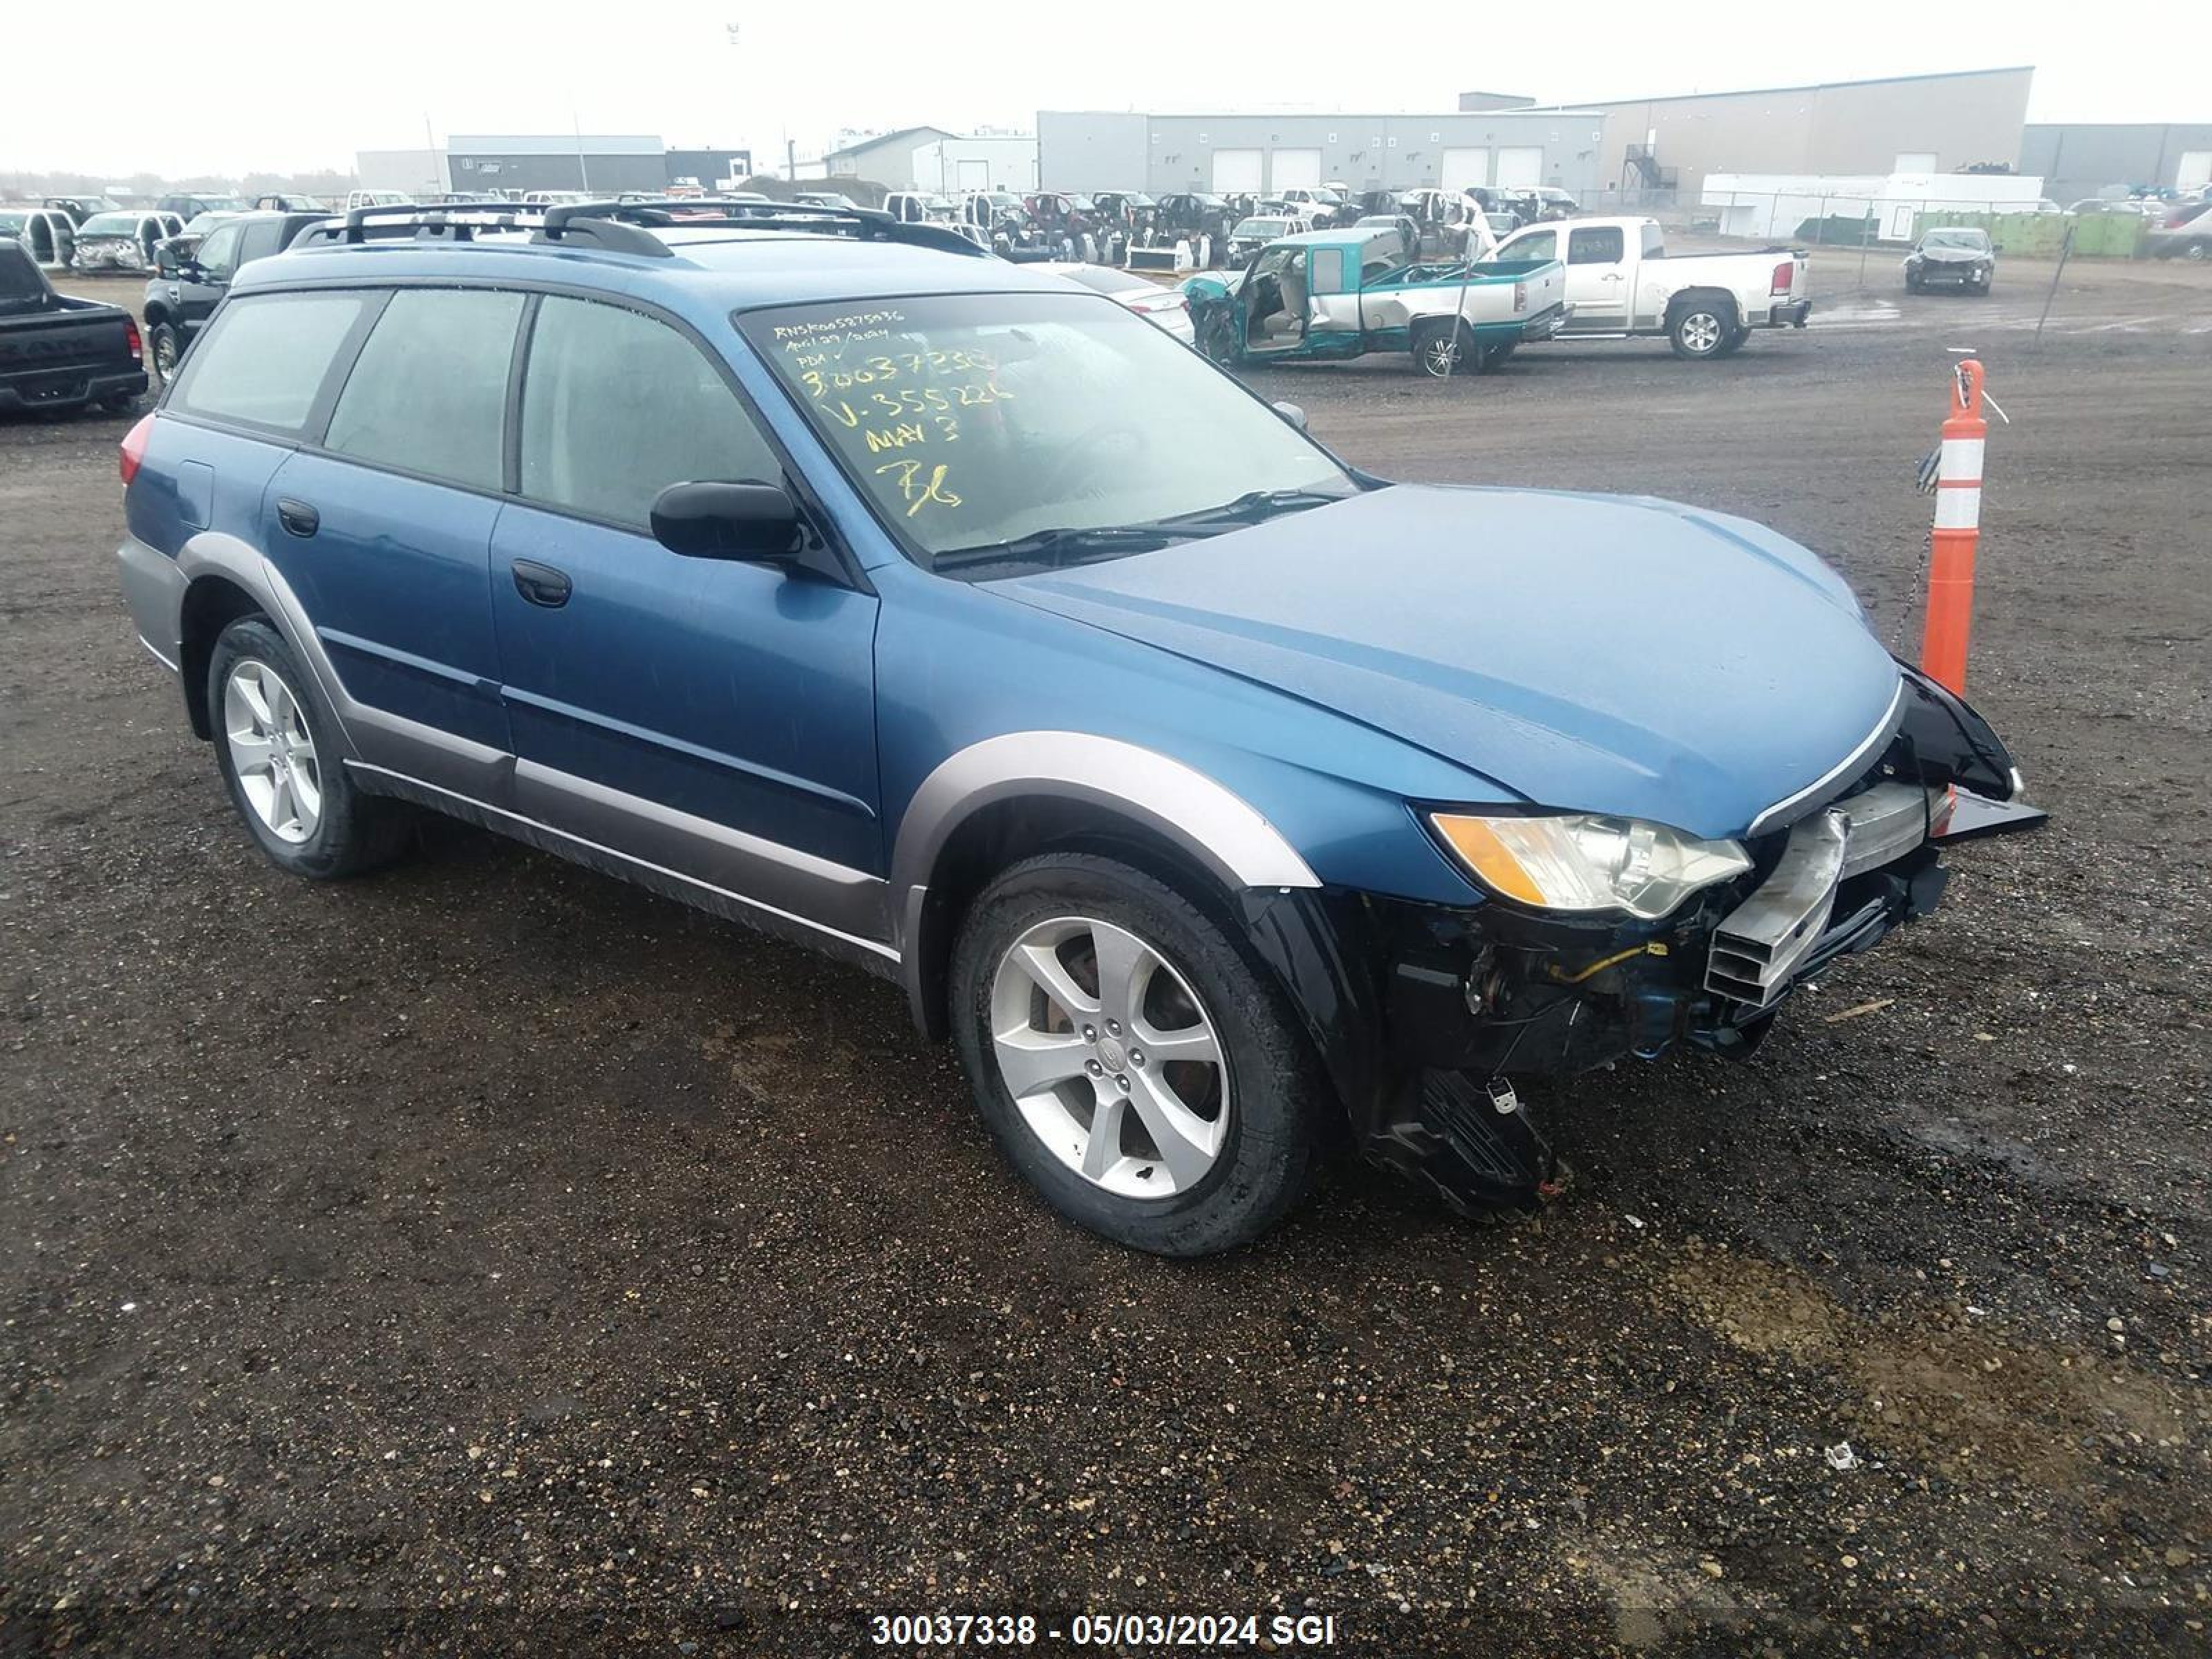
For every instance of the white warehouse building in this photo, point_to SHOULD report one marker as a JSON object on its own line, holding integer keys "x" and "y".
{"x": 1512, "y": 149}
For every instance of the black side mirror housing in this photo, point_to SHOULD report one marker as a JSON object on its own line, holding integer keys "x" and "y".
{"x": 753, "y": 522}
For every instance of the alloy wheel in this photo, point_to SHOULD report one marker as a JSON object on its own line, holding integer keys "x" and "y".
{"x": 271, "y": 751}
{"x": 1701, "y": 332}
{"x": 165, "y": 358}
{"x": 1112, "y": 1059}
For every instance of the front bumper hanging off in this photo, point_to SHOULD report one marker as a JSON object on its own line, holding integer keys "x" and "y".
{"x": 1422, "y": 1013}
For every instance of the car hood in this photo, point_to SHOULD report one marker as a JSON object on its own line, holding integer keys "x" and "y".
{"x": 1589, "y": 653}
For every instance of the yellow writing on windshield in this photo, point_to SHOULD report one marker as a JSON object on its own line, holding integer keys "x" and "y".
{"x": 920, "y": 487}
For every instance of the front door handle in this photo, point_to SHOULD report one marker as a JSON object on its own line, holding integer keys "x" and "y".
{"x": 298, "y": 517}
{"x": 541, "y": 584}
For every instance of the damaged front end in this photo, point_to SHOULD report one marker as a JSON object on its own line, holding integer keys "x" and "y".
{"x": 1425, "y": 1014}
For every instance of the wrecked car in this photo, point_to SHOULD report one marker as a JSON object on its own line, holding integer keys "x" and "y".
{"x": 1217, "y": 800}
{"x": 1325, "y": 295}
{"x": 123, "y": 240}
{"x": 1951, "y": 256}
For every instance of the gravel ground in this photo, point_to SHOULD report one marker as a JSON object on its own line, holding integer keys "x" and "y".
{"x": 489, "y": 1256}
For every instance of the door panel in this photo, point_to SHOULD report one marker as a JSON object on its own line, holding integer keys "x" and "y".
{"x": 1599, "y": 277}
{"x": 393, "y": 581}
{"x": 733, "y": 694}
{"x": 714, "y": 717}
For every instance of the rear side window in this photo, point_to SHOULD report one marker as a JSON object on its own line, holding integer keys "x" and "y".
{"x": 428, "y": 392}
{"x": 264, "y": 358}
{"x": 1594, "y": 245}
{"x": 618, "y": 406}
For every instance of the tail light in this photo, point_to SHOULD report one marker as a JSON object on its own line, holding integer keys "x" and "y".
{"x": 1520, "y": 296}
{"x": 1784, "y": 274}
{"x": 134, "y": 448}
{"x": 131, "y": 338}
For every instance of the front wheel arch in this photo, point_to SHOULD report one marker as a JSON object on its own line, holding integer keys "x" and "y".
{"x": 1004, "y": 833}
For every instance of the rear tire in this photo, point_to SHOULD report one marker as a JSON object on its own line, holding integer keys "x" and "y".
{"x": 1066, "y": 967}
{"x": 281, "y": 763}
{"x": 1444, "y": 349}
{"x": 1699, "y": 329}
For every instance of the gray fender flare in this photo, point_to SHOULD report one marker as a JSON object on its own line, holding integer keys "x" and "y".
{"x": 1224, "y": 834}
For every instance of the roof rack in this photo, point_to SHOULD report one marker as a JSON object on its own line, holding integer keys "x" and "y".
{"x": 698, "y": 213}
{"x": 626, "y": 227}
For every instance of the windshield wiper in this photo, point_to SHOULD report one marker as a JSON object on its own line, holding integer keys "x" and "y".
{"x": 1255, "y": 505}
{"x": 1049, "y": 544}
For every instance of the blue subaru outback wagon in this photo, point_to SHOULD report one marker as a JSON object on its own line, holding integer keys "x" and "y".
{"x": 1217, "y": 800}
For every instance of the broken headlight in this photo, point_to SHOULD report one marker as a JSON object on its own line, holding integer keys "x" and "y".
{"x": 1584, "y": 861}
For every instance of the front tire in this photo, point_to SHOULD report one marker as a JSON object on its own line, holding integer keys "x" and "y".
{"x": 1130, "y": 1058}
{"x": 164, "y": 349}
{"x": 281, "y": 763}
{"x": 1699, "y": 331}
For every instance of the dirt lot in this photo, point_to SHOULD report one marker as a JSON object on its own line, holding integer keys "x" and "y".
{"x": 491, "y": 1255}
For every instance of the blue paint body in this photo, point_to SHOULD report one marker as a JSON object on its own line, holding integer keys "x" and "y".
{"x": 1337, "y": 668}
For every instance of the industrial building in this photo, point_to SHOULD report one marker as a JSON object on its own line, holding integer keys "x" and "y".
{"x": 598, "y": 163}
{"x": 931, "y": 158}
{"x": 515, "y": 164}
{"x": 2079, "y": 158}
{"x": 1517, "y": 148}
{"x": 1905, "y": 123}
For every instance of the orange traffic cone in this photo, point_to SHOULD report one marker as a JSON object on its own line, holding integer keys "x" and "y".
{"x": 1958, "y": 528}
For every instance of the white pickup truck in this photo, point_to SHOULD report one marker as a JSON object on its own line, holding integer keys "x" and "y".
{"x": 1622, "y": 284}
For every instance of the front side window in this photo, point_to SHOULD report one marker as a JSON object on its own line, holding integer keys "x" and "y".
{"x": 428, "y": 392}
{"x": 218, "y": 255}
{"x": 617, "y": 406}
{"x": 1537, "y": 245}
{"x": 265, "y": 358}
{"x": 994, "y": 433}
{"x": 1594, "y": 245}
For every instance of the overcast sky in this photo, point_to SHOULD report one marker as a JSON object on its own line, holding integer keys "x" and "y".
{"x": 240, "y": 85}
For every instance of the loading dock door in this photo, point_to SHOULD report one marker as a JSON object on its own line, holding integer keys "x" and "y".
{"x": 1463, "y": 168}
{"x": 1296, "y": 169}
{"x": 1234, "y": 171}
{"x": 1520, "y": 166}
{"x": 2195, "y": 170}
{"x": 973, "y": 175}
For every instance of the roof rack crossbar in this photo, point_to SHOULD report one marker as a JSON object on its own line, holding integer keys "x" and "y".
{"x": 867, "y": 224}
{"x": 626, "y": 227}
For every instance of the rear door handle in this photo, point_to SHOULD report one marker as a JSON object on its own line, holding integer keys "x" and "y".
{"x": 541, "y": 584}
{"x": 298, "y": 517}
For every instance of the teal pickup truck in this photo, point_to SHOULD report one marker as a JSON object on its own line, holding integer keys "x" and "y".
{"x": 1325, "y": 295}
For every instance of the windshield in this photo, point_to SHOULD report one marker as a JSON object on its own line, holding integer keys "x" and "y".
{"x": 109, "y": 224}
{"x": 970, "y": 421}
{"x": 11, "y": 224}
{"x": 1261, "y": 227}
{"x": 1326, "y": 198}
{"x": 1974, "y": 242}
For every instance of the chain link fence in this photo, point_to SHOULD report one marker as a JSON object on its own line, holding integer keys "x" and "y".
{"x": 1875, "y": 224}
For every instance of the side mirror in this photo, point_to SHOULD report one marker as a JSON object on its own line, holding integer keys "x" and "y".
{"x": 165, "y": 259}
{"x": 754, "y": 522}
{"x": 1292, "y": 413}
